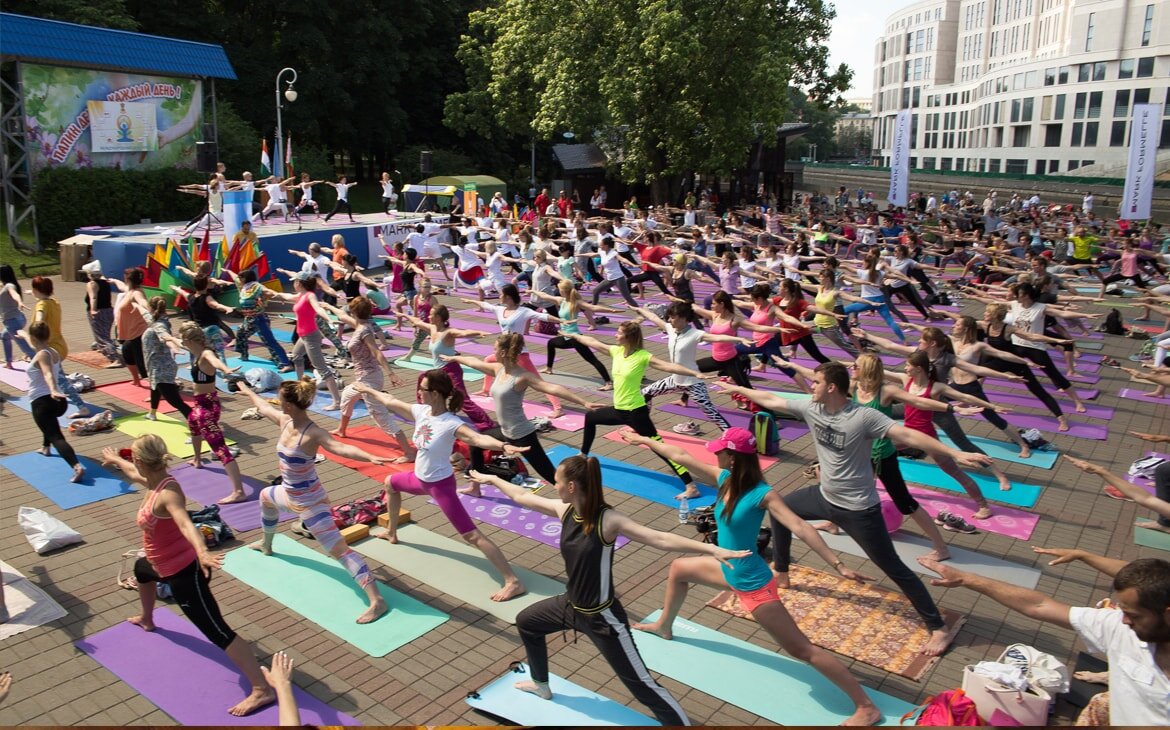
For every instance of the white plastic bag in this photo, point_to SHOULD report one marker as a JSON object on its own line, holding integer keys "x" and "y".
{"x": 45, "y": 532}
{"x": 1042, "y": 670}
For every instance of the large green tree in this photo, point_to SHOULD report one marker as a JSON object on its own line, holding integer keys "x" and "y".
{"x": 667, "y": 86}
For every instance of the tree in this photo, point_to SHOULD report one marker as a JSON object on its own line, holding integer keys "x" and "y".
{"x": 666, "y": 87}
{"x": 102, "y": 13}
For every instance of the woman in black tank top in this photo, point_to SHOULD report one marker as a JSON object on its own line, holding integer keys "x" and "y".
{"x": 590, "y": 528}
{"x": 99, "y": 309}
{"x": 205, "y": 311}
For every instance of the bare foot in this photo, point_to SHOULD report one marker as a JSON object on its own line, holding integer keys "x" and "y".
{"x": 555, "y": 413}
{"x": 196, "y": 462}
{"x": 606, "y": 387}
{"x": 261, "y": 548}
{"x": 655, "y": 628}
{"x": 1152, "y": 525}
{"x": 332, "y": 407}
{"x": 939, "y": 554}
{"x": 338, "y": 434}
{"x": 509, "y": 591}
{"x": 374, "y": 612}
{"x": 144, "y": 623}
{"x": 1005, "y": 485}
{"x": 782, "y": 580}
{"x": 983, "y": 513}
{"x": 547, "y": 370}
{"x": 259, "y": 698}
{"x": 689, "y": 493}
{"x": 1080, "y": 407}
{"x": 78, "y": 474}
{"x": 826, "y": 526}
{"x": 938, "y": 642}
{"x": 865, "y": 716}
{"x": 1092, "y": 677}
{"x": 233, "y": 498}
{"x": 679, "y": 402}
{"x": 540, "y": 689}
{"x": 472, "y": 489}
{"x": 1063, "y": 421}
{"x": 1025, "y": 452}
{"x": 44, "y": 451}
{"x": 388, "y": 536}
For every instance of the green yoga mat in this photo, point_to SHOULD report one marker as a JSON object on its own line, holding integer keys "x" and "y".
{"x": 457, "y": 569}
{"x": 423, "y": 363}
{"x": 752, "y": 677}
{"x": 1156, "y": 539}
{"x": 173, "y": 431}
{"x": 1090, "y": 345}
{"x": 929, "y": 474}
{"x": 316, "y": 586}
{"x": 1006, "y": 451}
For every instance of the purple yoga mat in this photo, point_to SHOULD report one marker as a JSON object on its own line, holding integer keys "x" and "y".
{"x": 1092, "y": 410}
{"x": 496, "y": 509}
{"x": 789, "y": 430}
{"x": 210, "y": 484}
{"x": 187, "y": 676}
{"x": 1001, "y": 384}
{"x": 1143, "y": 396}
{"x": 1049, "y": 424}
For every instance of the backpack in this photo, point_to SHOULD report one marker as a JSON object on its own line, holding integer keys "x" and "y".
{"x": 262, "y": 379}
{"x": 544, "y": 327}
{"x": 211, "y": 525}
{"x": 946, "y": 709}
{"x": 1113, "y": 324}
{"x": 766, "y": 433}
{"x": 100, "y": 422}
{"x": 359, "y": 511}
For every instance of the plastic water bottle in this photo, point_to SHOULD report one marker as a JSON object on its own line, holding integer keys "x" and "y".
{"x": 684, "y": 510}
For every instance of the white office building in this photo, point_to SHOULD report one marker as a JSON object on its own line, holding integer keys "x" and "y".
{"x": 1022, "y": 86}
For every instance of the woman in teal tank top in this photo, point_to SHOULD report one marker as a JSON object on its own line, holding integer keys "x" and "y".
{"x": 740, "y": 505}
{"x": 571, "y": 304}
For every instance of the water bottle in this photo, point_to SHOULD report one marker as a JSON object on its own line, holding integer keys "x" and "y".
{"x": 684, "y": 510}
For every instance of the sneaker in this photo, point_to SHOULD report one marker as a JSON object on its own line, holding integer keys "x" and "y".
{"x": 1114, "y": 493}
{"x": 954, "y": 523}
{"x": 941, "y": 518}
{"x": 690, "y": 428}
{"x": 150, "y": 417}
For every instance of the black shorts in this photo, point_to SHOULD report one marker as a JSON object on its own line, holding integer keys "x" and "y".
{"x": 192, "y": 591}
{"x": 132, "y": 354}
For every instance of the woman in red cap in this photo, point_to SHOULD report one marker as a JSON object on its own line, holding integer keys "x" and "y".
{"x": 740, "y": 504}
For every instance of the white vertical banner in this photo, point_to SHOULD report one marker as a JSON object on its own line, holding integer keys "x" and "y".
{"x": 1139, "y": 175}
{"x": 900, "y": 161}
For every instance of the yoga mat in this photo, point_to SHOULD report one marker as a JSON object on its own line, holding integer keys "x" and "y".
{"x": 138, "y": 397}
{"x": 568, "y": 422}
{"x": 423, "y": 363}
{"x": 316, "y": 586}
{"x": 372, "y": 440}
{"x": 50, "y": 476}
{"x": 173, "y": 431}
{"x": 161, "y": 666}
{"x": 1085, "y": 345}
{"x": 323, "y": 398}
{"x": 25, "y": 404}
{"x": 583, "y": 383}
{"x": 496, "y": 509}
{"x": 910, "y": 547}
{"x": 929, "y": 473}
{"x": 860, "y": 620}
{"x": 1007, "y": 451}
{"x": 28, "y": 606}
{"x": 654, "y": 486}
{"x": 1005, "y": 520}
{"x": 16, "y": 376}
{"x": 1049, "y": 423}
{"x": 736, "y": 671}
{"x": 92, "y": 358}
{"x": 571, "y": 705}
{"x": 1156, "y": 539}
{"x": 457, "y": 569}
{"x": 1080, "y": 691}
{"x": 695, "y": 445}
{"x": 1025, "y": 400}
{"x": 210, "y": 484}
{"x": 997, "y": 384}
{"x": 789, "y": 430}
{"x": 279, "y": 334}
{"x": 1143, "y": 396}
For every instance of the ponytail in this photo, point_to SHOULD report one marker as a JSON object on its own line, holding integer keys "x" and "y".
{"x": 585, "y": 472}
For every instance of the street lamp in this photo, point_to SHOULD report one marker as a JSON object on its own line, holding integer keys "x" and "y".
{"x": 291, "y": 94}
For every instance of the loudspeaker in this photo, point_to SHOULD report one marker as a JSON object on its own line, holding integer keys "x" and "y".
{"x": 425, "y": 163}
{"x": 206, "y": 155}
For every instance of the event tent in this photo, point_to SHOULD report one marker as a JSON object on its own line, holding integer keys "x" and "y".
{"x": 485, "y": 185}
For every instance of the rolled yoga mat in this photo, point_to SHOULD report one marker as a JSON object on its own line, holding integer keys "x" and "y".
{"x": 189, "y": 678}
{"x": 210, "y": 484}
{"x": 315, "y": 585}
{"x": 494, "y": 508}
{"x": 930, "y": 474}
{"x": 571, "y": 705}
{"x": 50, "y": 476}
{"x": 654, "y": 486}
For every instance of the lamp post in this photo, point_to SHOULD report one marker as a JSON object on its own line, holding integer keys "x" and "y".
{"x": 291, "y": 94}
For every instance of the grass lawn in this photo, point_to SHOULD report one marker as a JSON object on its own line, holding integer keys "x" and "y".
{"x": 14, "y": 257}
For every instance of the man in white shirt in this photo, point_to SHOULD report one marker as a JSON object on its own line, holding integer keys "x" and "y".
{"x": 316, "y": 262}
{"x": 1087, "y": 203}
{"x": 1134, "y": 634}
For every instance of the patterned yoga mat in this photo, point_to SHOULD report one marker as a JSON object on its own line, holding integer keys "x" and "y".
{"x": 870, "y": 624}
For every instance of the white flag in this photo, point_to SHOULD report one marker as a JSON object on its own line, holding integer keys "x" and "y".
{"x": 900, "y": 161}
{"x": 1139, "y": 175}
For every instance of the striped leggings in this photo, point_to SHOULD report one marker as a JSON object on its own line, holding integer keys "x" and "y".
{"x": 696, "y": 391}
{"x": 312, "y": 506}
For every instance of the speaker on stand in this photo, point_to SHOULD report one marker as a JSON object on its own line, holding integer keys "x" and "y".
{"x": 206, "y": 157}
{"x": 426, "y": 163}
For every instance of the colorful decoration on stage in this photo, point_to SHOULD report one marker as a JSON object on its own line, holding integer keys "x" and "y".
{"x": 163, "y": 267}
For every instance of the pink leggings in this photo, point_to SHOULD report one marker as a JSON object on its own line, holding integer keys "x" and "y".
{"x": 480, "y": 420}
{"x": 442, "y": 491}
{"x": 204, "y": 423}
{"x": 525, "y": 361}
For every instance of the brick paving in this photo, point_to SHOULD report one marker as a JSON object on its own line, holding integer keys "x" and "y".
{"x": 425, "y": 681}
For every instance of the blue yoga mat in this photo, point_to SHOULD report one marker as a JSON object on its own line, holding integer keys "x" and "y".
{"x": 1005, "y": 451}
{"x": 571, "y": 705}
{"x": 929, "y": 474}
{"x": 660, "y": 487}
{"x": 755, "y": 678}
{"x": 26, "y": 405}
{"x": 50, "y": 476}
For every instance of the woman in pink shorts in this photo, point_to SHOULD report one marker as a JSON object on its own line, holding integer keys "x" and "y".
{"x": 740, "y": 504}
{"x": 435, "y": 429}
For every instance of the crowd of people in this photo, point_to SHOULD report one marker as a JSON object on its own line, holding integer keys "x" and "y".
{"x": 782, "y": 286}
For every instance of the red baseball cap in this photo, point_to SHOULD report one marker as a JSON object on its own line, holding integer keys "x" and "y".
{"x": 734, "y": 439}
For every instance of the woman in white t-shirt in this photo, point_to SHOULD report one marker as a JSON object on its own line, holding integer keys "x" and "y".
{"x": 435, "y": 429}
{"x": 389, "y": 197}
{"x": 611, "y": 270}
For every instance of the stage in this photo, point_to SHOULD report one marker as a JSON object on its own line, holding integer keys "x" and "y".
{"x": 126, "y": 246}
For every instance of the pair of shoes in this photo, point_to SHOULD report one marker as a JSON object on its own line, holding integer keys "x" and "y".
{"x": 1114, "y": 493}
{"x": 954, "y": 523}
{"x": 1111, "y": 362}
{"x": 690, "y": 428}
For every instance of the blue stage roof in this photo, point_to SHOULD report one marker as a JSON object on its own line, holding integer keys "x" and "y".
{"x": 54, "y": 42}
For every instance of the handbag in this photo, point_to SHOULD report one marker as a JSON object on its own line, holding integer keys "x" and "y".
{"x": 1029, "y": 707}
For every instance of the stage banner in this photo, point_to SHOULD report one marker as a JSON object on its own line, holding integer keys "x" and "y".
{"x": 392, "y": 233}
{"x": 237, "y": 208}
{"x": 1139, "y": 174}
{"x": 83, "y": 118}
{"x": 900, "y": 161}
{"x": 470, "y": 199}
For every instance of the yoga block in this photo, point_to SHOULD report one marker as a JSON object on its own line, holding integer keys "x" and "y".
{"x": 1151, "y": 538}
{"x": 353, "y": 533}
{"x": 403, "y": 518}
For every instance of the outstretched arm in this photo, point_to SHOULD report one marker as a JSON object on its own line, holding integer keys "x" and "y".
{"x": 1032, "y": 604}
{"x": 523, "y": 497}
{"x": 915, "y": 439}
{"x": 1108, "y": 566}
{"x": 759, "y": 397}
{"x": 1133, "y": 491}
{"x": 262, "y": 405}
{"x": 705, "y": 472}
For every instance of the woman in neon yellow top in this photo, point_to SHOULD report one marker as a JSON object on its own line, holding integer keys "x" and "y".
{"x": 630, "y": 360}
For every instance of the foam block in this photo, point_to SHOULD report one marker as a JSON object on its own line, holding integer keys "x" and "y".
{"x": 403, "y": 518}
{"x": 353, "y": 533}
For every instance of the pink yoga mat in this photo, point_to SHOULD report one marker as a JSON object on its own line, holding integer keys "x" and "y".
{"x": 567, "y": 422}
{"x": 1006, "y": 520}
{"x": 17, "y": 376}
{"x": 695, "y": 445}
{"x": 1143, "y": 396}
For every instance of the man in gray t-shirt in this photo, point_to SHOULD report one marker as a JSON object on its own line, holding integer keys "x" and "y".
{"x": 844, "y": 433}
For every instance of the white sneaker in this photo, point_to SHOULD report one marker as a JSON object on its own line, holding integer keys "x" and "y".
{"x": 150, "y": 417}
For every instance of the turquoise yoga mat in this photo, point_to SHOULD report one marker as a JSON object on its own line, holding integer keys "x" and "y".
{"x": 316, "y": 586}
{"x": 754, "y": 678}
{"x": 571, "y": 705}
{"x": 929, "y": 474}
{"x": 1146, "y": 537}
{"x": 1005, "y": 451}
{"x": 654, "y": 486}
{"x": 422, "y": 363}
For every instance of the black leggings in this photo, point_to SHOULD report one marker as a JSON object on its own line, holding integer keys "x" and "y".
{"x": 910, "y": 294}
{"x": 535, "y": 455}
{"x": 653, "y": 276}
{"x": 1034, "y": 386}
{"x": 810, "y": 346}
{"x": 45, "y": 412}
{"x": 1041, "y": 358}
{"x": 637, "y": 419}
{"x": 733, "y": 368}
{"x": 337, "y": 209}
{"x": 976, "y": 389}
{"x": 170, "y": 393}
{"x": 561, "y": 342}
{"x": 192, "y": 591}
{"x": 132, "y": 354}
{"x": 891, "y": 475}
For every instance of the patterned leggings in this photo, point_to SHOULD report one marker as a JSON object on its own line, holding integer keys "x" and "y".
{"x": 204, "y": 423}
{"x": 100, "y": 324}
{"x": 697, "y": 391}
{"x": 260, "y": 324}
{"x": 312, "y": 506}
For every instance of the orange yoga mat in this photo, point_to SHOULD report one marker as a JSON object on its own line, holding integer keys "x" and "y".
{"x": 139, "y": 397}
{"x": 373, "y": 440}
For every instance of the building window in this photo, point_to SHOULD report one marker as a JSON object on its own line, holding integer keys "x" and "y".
{"x": 1095, "y": 105}
{"x": 1084, "y": 71}
{"x": 1125, "y": 68}
{"x": 1087, "y": 163}
{"x": 1039, "y": 167}
{"x": 1053, "y": 166}
{"x": 1030, "y": 80}
{"x": 1062, "y": 75}
{"x": 1073, "y": 164}
{"x": 1015, "y": 111}
{"x": 1148, "y": 25}
{"x": 1089, "y": 32}
{"x": 1141, "y": 96}
{"x": 1026, "y": 113}
{"x": 1045, "y": 108}
{"x": 1021, "y": 136}
{"x": 1052, "y": 134}
{"x": 927, "y": 163}
{"x": 1049, "y": 76}
{"x": 1079, "y": 107}
{"x": 1165, "y": 141}
{"x": 1091, "y": 133}
{"x": 1121, "y": 103}
{"x": 1078, "y": 130}
{"x": 1145, "y": 67}
{"x": 1099, "y": 71}
{"x": 1117, "y": 134}
{"x": 1058, "y": 113}
{"x": 993, "y": 166}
